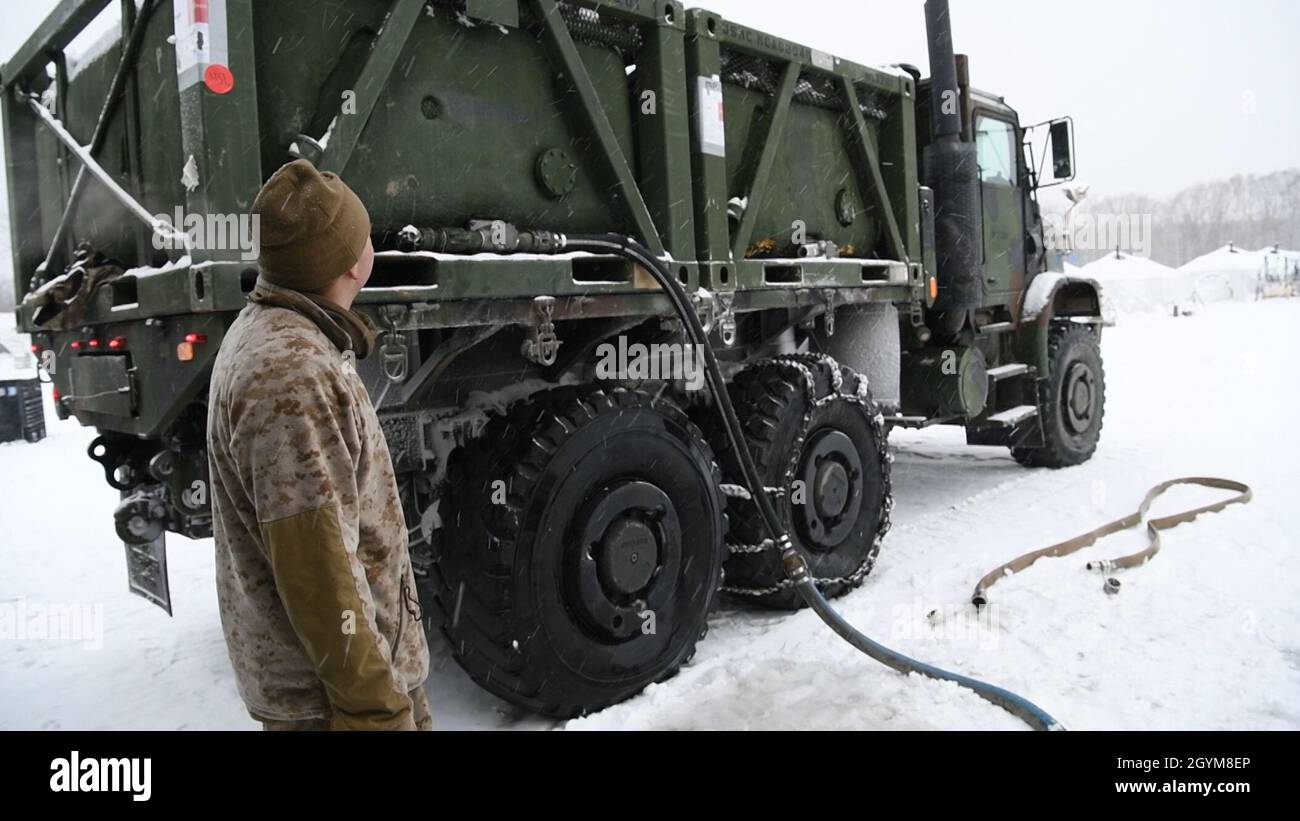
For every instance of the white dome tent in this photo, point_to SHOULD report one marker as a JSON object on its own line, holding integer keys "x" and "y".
{"x": 1133, "y": 284}
{"x": 1226, "y": 273}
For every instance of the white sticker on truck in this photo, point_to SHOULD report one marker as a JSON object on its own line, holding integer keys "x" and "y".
{"x": 202, "y": 54}
{"x": 713, "y": 134}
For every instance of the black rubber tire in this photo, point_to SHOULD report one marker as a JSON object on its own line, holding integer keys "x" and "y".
{"x": 771, "y": 402}
{"x": 511, "y": 608}
{"x": 1069, "y": 346}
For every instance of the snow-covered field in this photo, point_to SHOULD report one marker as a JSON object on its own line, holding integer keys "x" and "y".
{"x": 1206, "y": 636}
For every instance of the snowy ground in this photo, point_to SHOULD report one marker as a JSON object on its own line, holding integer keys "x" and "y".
{"x": 1207, "y": 636}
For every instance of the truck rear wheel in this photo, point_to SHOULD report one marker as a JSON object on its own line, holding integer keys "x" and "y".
{"x": 1071, "y": 400}
{"x": 819, "y": 443}
{"x": 582, "y": 550}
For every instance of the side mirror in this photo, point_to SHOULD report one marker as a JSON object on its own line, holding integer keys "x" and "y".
{"x": 1062, "y": 136}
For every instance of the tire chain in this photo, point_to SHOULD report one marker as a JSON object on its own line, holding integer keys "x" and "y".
{"x": 798, "y": 363}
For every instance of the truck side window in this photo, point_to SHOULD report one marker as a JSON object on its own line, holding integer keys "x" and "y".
{"x": 995, "y": 145}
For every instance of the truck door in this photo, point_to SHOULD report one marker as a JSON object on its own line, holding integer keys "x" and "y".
{"x": 997, "y": 149}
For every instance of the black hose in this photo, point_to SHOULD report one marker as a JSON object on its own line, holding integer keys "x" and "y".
{"x": 796, "y": 569}
{"x": 634, "y": 251}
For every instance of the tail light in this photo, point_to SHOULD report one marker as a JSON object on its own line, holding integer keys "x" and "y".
{"x": 185, "y": 350}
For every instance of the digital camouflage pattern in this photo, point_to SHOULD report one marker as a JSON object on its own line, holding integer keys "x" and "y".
{"x": 419, "y": 704}
{"x": 314, "y": 578}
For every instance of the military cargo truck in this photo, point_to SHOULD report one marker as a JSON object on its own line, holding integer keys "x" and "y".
{"x": 863, "y": 245}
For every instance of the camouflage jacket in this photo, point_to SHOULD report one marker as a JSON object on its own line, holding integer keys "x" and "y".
{"x": 314, "y": 577}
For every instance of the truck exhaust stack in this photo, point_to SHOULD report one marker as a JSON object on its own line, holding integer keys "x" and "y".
{"x": 951, "y": 168}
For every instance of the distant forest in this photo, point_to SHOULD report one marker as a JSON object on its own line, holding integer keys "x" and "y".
{"x": 1252, "y": 212}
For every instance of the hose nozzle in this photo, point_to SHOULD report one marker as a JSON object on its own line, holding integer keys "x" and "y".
{"x": 796, "y": 568}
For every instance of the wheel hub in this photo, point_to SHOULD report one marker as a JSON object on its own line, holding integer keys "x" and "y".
{"x": 628, "y": 555}
{"x": 832, "y": 475}
{"x": 1079, "y": 397}
{"x": 627, "y": 533}
{"x": 832, "y": 491}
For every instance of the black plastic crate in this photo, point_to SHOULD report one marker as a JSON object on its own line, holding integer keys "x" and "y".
{"x": 22, "y": 410}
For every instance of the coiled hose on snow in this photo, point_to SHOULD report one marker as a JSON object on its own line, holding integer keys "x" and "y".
{"x": 796, "y": 569}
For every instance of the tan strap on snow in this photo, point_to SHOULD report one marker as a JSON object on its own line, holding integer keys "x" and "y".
{"x": 1154, "y": 526}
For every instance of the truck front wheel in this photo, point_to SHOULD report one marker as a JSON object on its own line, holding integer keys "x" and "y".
{"x": 1071, "y": 400}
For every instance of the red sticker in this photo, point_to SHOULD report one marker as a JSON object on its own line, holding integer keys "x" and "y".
{"x": 218, "y": 78}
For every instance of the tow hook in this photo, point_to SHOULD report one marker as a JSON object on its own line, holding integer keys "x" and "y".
{"x": 544, "y": 346}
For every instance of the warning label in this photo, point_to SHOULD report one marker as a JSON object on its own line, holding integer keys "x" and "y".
{"x": 201, "y": 44}
{"x": 218, "y": 78}
{"x": 713, "y": 133}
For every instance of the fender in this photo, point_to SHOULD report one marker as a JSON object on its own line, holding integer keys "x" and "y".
{"x": 1051, "y": 295}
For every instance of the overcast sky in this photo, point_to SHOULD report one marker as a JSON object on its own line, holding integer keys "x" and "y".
{"x": 1165, "y": 93}
{"x": 1159, "y": 89}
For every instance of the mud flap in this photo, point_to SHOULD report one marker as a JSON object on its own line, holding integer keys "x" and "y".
{"x": 146, "y": 570}
{"x": 141, "y": 525}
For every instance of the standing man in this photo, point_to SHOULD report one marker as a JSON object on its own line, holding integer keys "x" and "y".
{"x": 314, "y": 578}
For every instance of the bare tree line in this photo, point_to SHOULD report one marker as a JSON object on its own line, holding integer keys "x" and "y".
{"x": 1250, "y": 211}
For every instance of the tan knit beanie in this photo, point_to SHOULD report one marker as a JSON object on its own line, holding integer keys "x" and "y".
{"x": 313, "y": 227}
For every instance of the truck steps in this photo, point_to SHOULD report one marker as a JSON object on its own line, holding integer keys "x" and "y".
{"x": 1008, "y": 371}
{"x": 996, "y": 328}
{"x": 916, "y": 422}
{"x": 1012, "y": 417}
